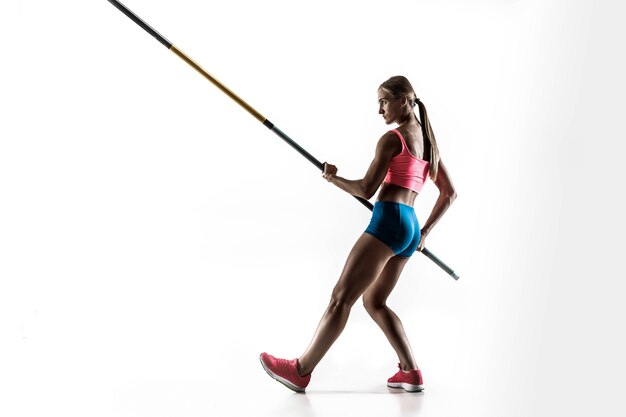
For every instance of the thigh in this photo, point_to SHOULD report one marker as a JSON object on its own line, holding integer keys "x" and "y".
{"x": 366, "y": 261}
{"x": 378, "y": 292}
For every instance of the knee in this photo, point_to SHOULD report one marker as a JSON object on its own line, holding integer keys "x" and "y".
{"x": 372, "y": 303}
{"x": 341, "y": 299}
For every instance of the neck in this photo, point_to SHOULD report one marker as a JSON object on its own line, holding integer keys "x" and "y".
{"x": 408, "y": 120}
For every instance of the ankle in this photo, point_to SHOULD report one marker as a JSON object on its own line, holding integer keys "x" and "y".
{"x": 300, "y": 369}
{"x": 408, "y": 367}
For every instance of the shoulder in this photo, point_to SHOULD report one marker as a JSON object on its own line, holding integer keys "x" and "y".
{"x": 389, "y": 143}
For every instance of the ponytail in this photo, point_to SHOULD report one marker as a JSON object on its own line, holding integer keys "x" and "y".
{"x": 430, "y": 143}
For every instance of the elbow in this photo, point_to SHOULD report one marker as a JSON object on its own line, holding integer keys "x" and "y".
{"x": 369, "y": 194}
{"x": 366, "y": 190}
{"x": 450, "y": 195}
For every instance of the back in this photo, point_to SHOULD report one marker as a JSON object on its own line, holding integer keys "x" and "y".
{"x": 406, "y": 170}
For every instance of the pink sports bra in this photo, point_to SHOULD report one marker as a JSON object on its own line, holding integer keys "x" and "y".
{"x": 407, "y": 171}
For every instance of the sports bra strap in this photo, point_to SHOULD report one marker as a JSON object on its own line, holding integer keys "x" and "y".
{"x": 397, "y": 132}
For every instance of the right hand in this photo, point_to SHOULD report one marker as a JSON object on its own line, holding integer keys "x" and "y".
{"x": 329, "y": 171}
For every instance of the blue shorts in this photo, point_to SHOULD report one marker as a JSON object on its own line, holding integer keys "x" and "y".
{"x": 396, "y": 225}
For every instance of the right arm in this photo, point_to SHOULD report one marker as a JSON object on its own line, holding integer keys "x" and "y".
{"x": 367, "y": 186}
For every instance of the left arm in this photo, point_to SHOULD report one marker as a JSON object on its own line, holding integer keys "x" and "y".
{"x": 367, "y": 186}
{"x": 447, "y": 195}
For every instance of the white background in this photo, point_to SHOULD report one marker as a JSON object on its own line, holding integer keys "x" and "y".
{"x": 155, "y": 238}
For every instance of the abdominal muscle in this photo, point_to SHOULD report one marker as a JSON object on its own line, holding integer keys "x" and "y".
{"x": 391, "y": 192}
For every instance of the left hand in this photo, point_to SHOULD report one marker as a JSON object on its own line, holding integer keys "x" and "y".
{"x": 329, "y": 171}
{"x": 423, "y": 234}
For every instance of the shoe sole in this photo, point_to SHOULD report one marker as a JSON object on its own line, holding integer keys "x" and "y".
{"x": 405, "y": 386}
{"x": 280, "y": 379}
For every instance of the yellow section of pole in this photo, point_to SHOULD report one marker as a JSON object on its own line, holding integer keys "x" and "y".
{"x": 218, "y": 84}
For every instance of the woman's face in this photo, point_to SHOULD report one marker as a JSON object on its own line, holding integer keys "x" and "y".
{"x": 390, "y": 107}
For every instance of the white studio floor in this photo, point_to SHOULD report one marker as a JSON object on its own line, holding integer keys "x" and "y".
{"x": 77, "y": 358}
{"x": 78, "y": 387}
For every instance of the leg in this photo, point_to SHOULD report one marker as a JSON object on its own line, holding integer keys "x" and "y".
{"x": 375, "y": 298}
{"x": 365, "y": 262}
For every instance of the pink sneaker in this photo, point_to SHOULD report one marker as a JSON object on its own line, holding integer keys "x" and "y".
{"x": 285, "y": 371}
{"x": 411, "y": 381}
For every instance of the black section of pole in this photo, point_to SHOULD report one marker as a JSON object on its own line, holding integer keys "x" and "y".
{"x": 308, "y": 156}
{"x": 297, "y": 147}
{"x": 438, "y": 261}
{"x": 141, "y": 23}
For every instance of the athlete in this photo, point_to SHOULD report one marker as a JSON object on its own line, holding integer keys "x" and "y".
{"x": 404, "y": 159}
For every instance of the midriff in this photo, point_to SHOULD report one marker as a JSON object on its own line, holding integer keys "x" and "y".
{"x": 391, "y": 192}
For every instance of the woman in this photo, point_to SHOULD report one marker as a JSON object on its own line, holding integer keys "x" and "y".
{"x": 379, "y": 255}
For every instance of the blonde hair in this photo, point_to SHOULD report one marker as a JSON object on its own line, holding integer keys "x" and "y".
{"x": 400, "y": 86}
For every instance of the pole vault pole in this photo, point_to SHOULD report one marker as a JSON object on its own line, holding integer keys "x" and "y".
{"x": 253, "y": 112}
